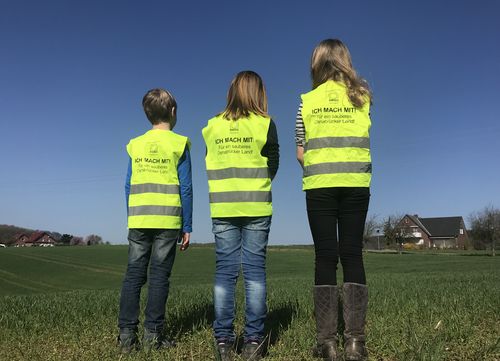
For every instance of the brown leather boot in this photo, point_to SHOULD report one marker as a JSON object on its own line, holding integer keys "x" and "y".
{"x": 355, "y": 302}
{"x": 326, "y": 313}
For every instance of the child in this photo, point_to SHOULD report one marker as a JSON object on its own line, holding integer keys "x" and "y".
{"x": 159, "y": 200}
{"x": 242, "y": 158}
{"x": 333, "y": 147}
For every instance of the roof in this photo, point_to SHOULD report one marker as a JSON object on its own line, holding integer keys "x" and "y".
{"x": 36, "y": 237}
{"x": 416, "y": 220}
{"x": 443, "y": 226}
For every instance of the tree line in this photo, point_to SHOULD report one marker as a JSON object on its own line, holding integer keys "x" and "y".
{"x": 90, "y": 240}
{"x": 9, "y": 235}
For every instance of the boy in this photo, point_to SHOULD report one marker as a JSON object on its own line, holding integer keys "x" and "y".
{"x": 159, "y": 201}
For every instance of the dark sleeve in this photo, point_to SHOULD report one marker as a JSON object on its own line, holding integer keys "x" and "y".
{"x": 271, "y": 150}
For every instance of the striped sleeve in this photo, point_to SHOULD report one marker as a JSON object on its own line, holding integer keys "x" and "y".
{"x": 300, "y": 131}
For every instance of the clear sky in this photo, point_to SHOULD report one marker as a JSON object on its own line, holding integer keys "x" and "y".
{"x": 73, "y": 74}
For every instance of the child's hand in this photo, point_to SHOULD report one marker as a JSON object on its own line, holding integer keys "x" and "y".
{"x": 185, "y": 241}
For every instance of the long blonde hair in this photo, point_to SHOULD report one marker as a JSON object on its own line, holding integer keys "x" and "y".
{"x": 331, "y": 60}
{"x": 246, "y": 95}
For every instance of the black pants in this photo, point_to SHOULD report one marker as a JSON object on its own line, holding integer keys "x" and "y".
{"x": 344, "y": 208}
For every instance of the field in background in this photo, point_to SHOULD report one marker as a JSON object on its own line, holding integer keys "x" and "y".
{"x": 61, "y": 304}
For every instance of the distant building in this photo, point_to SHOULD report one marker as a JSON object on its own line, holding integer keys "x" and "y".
{"x": 37, "y": 239}
{"x": 21, "y": 240}
{"x": 440, "y": 232}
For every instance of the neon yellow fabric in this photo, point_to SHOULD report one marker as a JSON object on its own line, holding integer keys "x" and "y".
{"x": 336, "y": 150}
{"x": 238, "y": 176}
{"x": 154, "y": 200}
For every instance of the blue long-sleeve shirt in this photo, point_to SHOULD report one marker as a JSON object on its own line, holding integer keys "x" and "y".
{"x": 185, "y": 185}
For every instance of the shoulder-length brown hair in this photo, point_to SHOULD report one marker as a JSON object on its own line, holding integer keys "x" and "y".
{"x": 331, "y": 60}
{"x": 246, "y": 95}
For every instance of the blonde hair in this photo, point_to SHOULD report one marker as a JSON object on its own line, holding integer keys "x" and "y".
{"x": 246, "y": 95}
{"x": 331, "y": 60}
{"x": 158, "y": 104}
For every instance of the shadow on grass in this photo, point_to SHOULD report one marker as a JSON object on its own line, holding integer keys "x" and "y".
{"x": 197, "y": 317}
{"x": 278, "y": 320}
{"x": 201, "y": 315}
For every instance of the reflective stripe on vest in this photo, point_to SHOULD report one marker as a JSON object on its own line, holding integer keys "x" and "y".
{"x": 244, "y": 196}
{"x": 337, "y": 167}
{"x": 233, "y": 172}
{"x": 238, "y": 176}
{"x": 155, "y": 211}
{"x": 337, "y": 144}
{"x": 154, "y": 188}
{"x": 154, "y": 200}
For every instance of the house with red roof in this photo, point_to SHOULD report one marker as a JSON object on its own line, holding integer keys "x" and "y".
{"x": 439, "y": 232}
{"x": 36, "y": 239}
{"x": 21, "y": 240}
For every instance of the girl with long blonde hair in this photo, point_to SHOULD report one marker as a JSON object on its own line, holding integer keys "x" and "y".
{"x": 333, "y": 147}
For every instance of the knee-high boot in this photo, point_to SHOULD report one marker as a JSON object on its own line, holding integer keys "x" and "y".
{"x": 326, "y": 314}
{"x": 355, "y": 302}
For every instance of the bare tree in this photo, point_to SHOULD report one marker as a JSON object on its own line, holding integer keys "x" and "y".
{"x": 76, "y": 241}
{"x": 393, "y": 232}
{"x": 93, "y": 239}
{"x": 371, "y": 225}
{"x": 485, "y": 227}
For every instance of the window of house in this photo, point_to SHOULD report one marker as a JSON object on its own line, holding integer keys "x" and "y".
{"x": 461, "y": 231}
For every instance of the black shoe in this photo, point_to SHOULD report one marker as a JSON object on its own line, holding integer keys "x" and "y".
{"x": 224, "y": 351}
{"x": 156, "y": 341}
{"x": 252, "y": 351}
{"x": 127, "y": 342}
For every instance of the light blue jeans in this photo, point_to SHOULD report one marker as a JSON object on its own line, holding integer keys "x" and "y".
{"x": 156, "y": 248}
{"x": 240, "y": 242}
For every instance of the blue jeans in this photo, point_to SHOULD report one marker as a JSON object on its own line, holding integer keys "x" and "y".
{"x": 240, "y": 242}
{"x": 157, "y": 248}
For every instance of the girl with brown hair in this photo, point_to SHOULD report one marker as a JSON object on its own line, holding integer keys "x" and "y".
{"x": 242, "y": 159}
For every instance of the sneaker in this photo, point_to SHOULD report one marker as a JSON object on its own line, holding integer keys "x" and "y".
{"x": 155, "y": 341}
{"x": 127, "y": 342}
{"x": 224, "y": 351}
{"x": 252, "y": 351}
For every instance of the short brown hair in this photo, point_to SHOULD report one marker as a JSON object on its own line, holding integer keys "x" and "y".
{"x": 331, "y": 60}
{"x": 158, "y": 104}
{"x": 246, "y": 95}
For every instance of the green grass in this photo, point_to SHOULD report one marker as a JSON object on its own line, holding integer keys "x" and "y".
{"x": 62, "y": 304}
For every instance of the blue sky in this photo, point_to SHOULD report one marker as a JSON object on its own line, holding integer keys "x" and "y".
{"x": 73, "y": 73}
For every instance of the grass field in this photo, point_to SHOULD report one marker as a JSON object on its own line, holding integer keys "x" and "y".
{"x": 62, "y": 304}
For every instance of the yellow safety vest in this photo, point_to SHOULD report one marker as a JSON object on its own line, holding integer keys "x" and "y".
{"x": 154, "y": 200}
{"x": 238, "y": 177}
{"x": 337, "y": 144}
